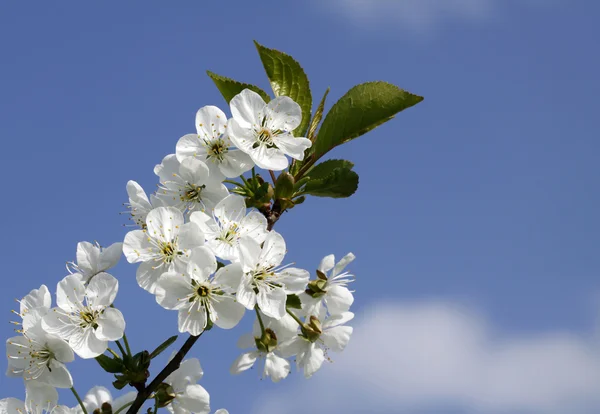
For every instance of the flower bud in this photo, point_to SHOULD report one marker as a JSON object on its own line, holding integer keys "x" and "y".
{"x": 164, "y": 394}
{"x": 106, "y": 408}
{"x": 267, "y": 342}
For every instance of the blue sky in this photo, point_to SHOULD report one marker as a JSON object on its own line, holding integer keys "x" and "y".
{"x": 475, "y": 224}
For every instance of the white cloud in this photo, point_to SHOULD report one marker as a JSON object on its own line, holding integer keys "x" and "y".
{"x": 417, "y": 15}
{"x": 434, "y": 355}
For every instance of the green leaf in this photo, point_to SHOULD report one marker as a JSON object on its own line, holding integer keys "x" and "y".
{"x": 111, "y": 365}
{"x": 229, "y": 87}
{"x": 326, "y": 168}
{"x": 342, "y": 182}
{"x": 159, "y": 349}
{"x": 288, "y": 79}
{"x": 317, "y": 118}
{"x": 361, "y": 109}
{"x": 293, "y": 302}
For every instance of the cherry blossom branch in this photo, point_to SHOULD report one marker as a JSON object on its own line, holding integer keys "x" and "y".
{"x": 171, "y": 367}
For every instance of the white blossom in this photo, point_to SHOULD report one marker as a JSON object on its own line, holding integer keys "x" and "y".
{"x": 262, "y": 282}
{"x": 264, "y": 131}
{"x": 211, "y": 144}
{"x": 99, "y": 395}
{"x": 228, "y": 224}
{"x": 84, "y": 317}
{"x": 39, "y": 356}
{"x": 330, "y": 288}
{"x": 190, "y": 397}
{"x": 39, "y": 398}
{"x": 316, "y": 339}
{"x": 265, "y": 347}
{"x": 188, "y": 185}
{"x": 163, "y": 246}
{"x": 198, "y": 297}
{"x": 93, "y": 259}
{"x": 139, "y": 205}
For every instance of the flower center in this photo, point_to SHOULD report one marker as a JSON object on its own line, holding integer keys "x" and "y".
{"x": 229, "y": 235}
{"x": 264, "y": 136}
{"x": 217, "y": 149}
{"x": 203, "y": 291}
{"x": 88, "y": 318}
{"x": 263, "y": 274}
{"x": 169, "y": 251}
{"x": 192, "y": 193}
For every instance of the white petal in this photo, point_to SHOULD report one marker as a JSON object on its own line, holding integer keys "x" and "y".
{"x": 192, "y": 319}
{"x": 102, "y": 290}
{"x": 171, "y": 290}
{"x": 292, "y": 146}
{"x": 70, "y": 293}
{"x": 61, "y": 350}
{"x": 247, "y": 108}
{"x": 241, "y": 136}
{"x": 137, "y": 195}
{"x": 202, "y": 262}
{"x": 229, "y": 277}
{"x": 194, "y": 171}
{"x": 57, "y": 322}
{"x": 342, "y": 264}
{"x": 195, "y": 399}
{"x": 231, "y": 209}
{"x": 336, "y": 320}
{"x": 87, "y": 345}
{"x": 243, "y": 362}
{"x": 294, "y": 280}
{"x": 276, "y": 367}
{"x": 210, "y": 122}
{"x": 190, "y": 236}
{"x": 110, "y": 256}
{"x": 37, "y": 298}
{"x": 38, "y": 394}
{"x": 228, "y": 313}
{"x": 269, "y": 158}
{"x": 338, "y": 299}
{"x": 272, "y": 302}
{"x": 245, "y": 292}
{"x": 111, "y": 325}
{"x": 284, "y": 113}
{"x": 190, "y": 146}
{"x": 189, "y": 372}
{"x": 311, "y": 360}
{"x": 293, "y": 346}
{"x": 235, "y": 163}
{"x": 88, "y": 257}
{"x": 167, "y": 168}
{"x": 147, "y": 275}
{"x": 95, "y": 397}
{"x": 205, "y": 222}
{"x": 164, "y": 223}
{"x": 327, "y": 263}
{"x": 273, "y": 250}
{"x": 137, "y": 247}
{"x": 337, "y": 338}
{"x": 254, "y": 225}
{"x": 59, "y": 376}
{"x": 250, "y": 252}
{"x": 12, "y": 406}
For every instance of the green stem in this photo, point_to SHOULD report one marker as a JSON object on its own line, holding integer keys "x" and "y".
{"x": 234, "y": 183}
{"x": 155, "y": 405}
{"x": 79, "y": 400}
{"x": 121, "y": 348}
{"x": 273, "y": 176}
{"x": 260, "y": 321}
{"x": 114, "y": 353}
{"x": 295, "y": 317}
{"x": 126, "y": 344}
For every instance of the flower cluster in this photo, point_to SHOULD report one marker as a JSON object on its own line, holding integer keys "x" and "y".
{"x": 206, "y": 250}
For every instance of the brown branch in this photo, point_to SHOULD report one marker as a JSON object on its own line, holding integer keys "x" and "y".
{"x": 171, "y": 367}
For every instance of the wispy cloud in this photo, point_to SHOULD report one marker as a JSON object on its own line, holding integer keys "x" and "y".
{"x": 431, "y": 355}
{"x": 419, "y": 15}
